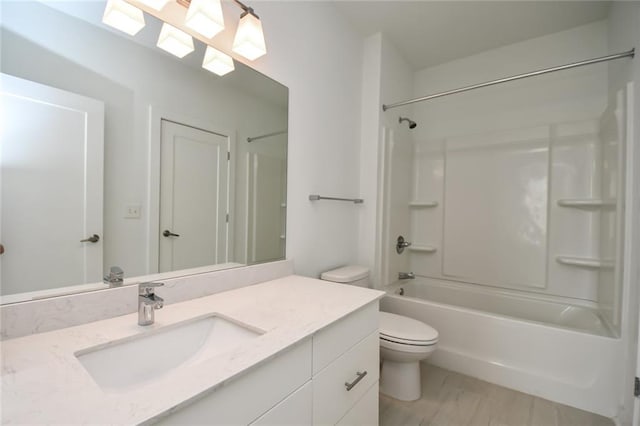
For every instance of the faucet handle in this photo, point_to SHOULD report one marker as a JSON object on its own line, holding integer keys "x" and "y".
{"x": 146, "y": 289}
{"x": 116, "y": 271}
{"x": 115, "y": 277}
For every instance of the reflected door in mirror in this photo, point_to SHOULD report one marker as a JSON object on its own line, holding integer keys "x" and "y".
{"x": 51, "y": 191}
{"x": 194, "y": 188}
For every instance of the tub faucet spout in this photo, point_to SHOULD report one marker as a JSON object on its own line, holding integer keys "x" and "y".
{"x": 406, "y": 275}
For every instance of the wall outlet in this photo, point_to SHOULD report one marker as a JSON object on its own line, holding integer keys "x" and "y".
{"x": 132, "y": 212}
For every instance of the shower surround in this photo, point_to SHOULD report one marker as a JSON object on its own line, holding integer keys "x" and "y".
{"x": 512, "y": 197}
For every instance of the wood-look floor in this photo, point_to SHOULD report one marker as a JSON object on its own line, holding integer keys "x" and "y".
{"x": 454, "y": 399}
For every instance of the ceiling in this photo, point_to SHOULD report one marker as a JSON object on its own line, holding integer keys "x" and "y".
{"x": 429, "y": 33}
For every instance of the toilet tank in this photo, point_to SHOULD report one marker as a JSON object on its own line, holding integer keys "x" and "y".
{"x": 352, "y": 274}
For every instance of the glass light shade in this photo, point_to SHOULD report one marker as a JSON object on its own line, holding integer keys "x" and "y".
{"x": 249, "y": 40}
{"x": 155, "y": 4}
{"x": 175, "y": 41}
{"x": 217, "y": 62}
{"x": 205, "y": 17}
{"x": 123, "y": 16}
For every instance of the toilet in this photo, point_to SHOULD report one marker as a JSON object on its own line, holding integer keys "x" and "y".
{"x": 404, "y": 341}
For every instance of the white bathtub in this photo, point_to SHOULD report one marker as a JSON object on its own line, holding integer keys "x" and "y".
{"x": 559, "y": 352}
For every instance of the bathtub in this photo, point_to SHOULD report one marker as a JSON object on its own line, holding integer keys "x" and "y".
{"x": 559, "y": 352}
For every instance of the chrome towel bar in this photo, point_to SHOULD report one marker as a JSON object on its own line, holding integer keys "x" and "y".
{"x": 315, "y": 197}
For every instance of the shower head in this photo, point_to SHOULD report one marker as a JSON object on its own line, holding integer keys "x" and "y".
{"x": 412, "y": 124}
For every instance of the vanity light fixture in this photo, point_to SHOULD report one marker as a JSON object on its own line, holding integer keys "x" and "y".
{"x": 249, "y": 39}
{"x": 155, "y": 4}
{"x": 175, "y": 41}
{"x": 217, "y": 62}
{"x": 205, "y": 17}
{"x": 123, "y": 16}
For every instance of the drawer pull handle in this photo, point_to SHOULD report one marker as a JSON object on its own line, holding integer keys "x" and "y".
{"x": 355, "y": 382}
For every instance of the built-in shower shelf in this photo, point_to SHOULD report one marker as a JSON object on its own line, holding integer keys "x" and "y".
{"x": 584, "y": 262}
{"x": 585, "y": 203}
{"x": 423, "y": 249}
{"x": 423, "y": 204}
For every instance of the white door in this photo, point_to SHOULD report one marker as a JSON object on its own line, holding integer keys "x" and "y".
{"x": 51, "y": 187}
{"x": 194, "y": 179}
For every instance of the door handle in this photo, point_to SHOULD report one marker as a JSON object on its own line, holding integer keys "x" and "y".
{"x": 92, "y": 239}
{"x": 168, "y": 233}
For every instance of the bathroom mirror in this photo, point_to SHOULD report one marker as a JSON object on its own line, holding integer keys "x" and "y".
{"x": 117, "y": 154}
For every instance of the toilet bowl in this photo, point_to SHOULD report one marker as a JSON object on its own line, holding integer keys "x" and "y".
{"x": 404, "y": 342}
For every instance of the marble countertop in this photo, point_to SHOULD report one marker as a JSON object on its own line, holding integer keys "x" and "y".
{"x": 43, "y": 382}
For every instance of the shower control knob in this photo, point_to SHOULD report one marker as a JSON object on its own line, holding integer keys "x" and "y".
{"x": 401, "y": 244}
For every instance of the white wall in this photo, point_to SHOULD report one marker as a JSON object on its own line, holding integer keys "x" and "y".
{"x": 315, "y": 52}
{"x": 397, "y": 140}
{"x": 386, "y": 147}
{"x": 317, "y": 55}
{"x": 623, "y": 34}
{"x": 369, "y": 241}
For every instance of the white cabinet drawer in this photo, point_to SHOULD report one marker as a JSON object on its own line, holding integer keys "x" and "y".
{"x": 365, "y": 412}
{"x": 295, "y": 410}
{"x": 246, "y": 398}
{"x": 331, "y": 399}
{"x": 333, "y": 341}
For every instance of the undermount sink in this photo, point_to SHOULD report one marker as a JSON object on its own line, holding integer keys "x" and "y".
{"x": 142, "y": 358}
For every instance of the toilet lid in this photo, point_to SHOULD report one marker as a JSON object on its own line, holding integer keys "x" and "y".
{"x": 346, "y": 274}
{"x": 401, "y": 329}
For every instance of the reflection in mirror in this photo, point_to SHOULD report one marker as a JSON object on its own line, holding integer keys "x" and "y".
{"x": 117, "y": 154}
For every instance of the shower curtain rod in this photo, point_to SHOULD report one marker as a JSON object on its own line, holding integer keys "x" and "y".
{"x": 255, "y": 138}
{"x": 629, "y": 54}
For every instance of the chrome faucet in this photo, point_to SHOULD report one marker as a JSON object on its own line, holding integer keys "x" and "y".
{"x": 115, "y": 277}
{"x": 148, "y": 302}
{"x": 406, "y": 275}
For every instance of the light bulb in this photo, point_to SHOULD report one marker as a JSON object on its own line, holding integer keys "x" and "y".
{"x": 217, "y": 62}
{"x": 175, "y": 41}
{"x": 249, "y": 39}
{"x": 205, "y": 17}
{"x": 154, "y": 4}
{"x": 123, "y": 16}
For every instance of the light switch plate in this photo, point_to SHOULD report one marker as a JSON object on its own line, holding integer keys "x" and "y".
{"x": 132, "y": 212}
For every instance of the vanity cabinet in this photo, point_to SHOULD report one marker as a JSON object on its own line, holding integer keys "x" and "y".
{"x": 249, "y": 396}
{"x": 346, "y": 370}
{"x": 365, "y": 412}
{"x": 330, "y": 378}
{"x": 295, "y": 410}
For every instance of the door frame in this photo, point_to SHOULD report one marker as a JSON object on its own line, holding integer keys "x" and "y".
{"x": 156, "y": 115}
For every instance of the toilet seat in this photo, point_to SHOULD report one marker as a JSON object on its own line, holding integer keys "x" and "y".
{"x": 400, "y": 331}
{"x": 406, "y": 349}
{"x": 401, "y": 341}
